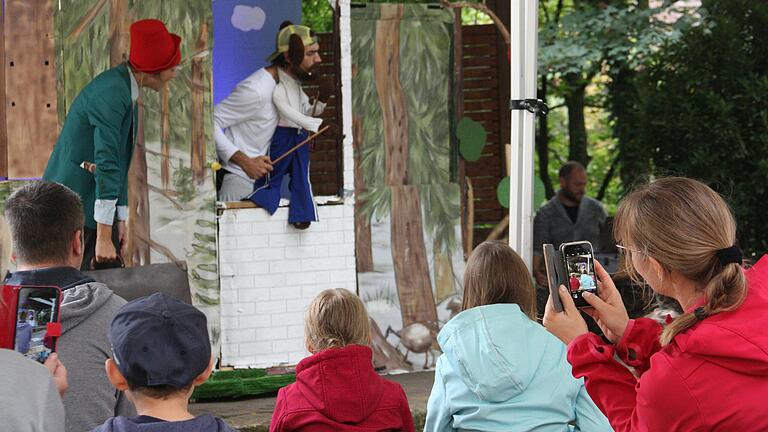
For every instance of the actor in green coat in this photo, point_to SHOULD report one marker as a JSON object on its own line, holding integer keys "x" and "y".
{"x": 93, "y": 153}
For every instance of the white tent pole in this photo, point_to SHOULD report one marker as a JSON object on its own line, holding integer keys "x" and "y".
{"x": 516, "y": 44}
{"x": 523, "y": 43}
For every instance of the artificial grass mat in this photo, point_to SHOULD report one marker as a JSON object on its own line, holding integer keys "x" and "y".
{"x": 240, "y": 383}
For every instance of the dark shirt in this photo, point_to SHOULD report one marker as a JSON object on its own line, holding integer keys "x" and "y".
{"x": 554, "y": 225}
{"x": 201, "y": 423}
{"x": 62, "y": 277}
{"x": 573, "y": 212}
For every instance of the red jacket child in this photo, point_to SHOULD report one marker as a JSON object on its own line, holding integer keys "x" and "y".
{"x": 712, "y": 377}
{"x": 337, "y": 390}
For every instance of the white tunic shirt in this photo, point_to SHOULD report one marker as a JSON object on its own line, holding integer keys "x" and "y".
{"x": 245, "y": 120}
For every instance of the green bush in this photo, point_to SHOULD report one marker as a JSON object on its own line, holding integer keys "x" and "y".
{"x": 704, "y": 110}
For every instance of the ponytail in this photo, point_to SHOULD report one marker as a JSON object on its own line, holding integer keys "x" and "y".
{"x": 725, "y": 291}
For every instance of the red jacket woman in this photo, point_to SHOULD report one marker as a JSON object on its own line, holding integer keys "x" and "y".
{"x": 708, "y": 369}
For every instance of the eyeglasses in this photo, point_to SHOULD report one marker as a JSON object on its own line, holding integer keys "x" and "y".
{"x": 627, "y": 251}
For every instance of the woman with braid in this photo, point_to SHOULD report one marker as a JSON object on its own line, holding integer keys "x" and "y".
{"x": 708, "y": 369}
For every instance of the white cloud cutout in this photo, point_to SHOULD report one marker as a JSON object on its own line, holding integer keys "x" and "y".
{"x": 248, "y": 18}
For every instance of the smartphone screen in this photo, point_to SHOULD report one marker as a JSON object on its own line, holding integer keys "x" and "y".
{"x": 580, "y": 269}
{"x": 37, "y": 310}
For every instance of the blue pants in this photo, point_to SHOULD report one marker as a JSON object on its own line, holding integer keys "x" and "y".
{"x": 266, "y": 190}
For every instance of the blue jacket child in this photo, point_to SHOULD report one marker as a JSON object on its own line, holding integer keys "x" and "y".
{"x": 501, "y": 370}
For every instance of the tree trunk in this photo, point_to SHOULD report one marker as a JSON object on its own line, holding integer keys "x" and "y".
{"x": 443, "y": 267}
{"x": 119, "y": 33}
{"x": 417, "y": 302}
{"x": 458, "y": 101}
{"x": 138, "y": 191}
{"x": 363, "y": 243}
{"x": 138, "y": 202}
{"x": 165, "y": 137}
{"x": 577, "y": 129}
{"x": 198, "y": 102}
{"x": 634, "y": 166}
{"x": 542, "y": 144}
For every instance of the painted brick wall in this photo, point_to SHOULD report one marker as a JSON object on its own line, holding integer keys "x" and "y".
{"x": 270, "y": 272}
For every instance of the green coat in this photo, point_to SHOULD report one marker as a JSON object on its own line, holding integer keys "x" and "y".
{"x": 99, "y": 128}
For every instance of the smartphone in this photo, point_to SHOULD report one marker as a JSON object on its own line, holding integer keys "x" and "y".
{"x": 553, "y": 263}
{"x": 29, "y": 317}
{"x": 579, "y": 261}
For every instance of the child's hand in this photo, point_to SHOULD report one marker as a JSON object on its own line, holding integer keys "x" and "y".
{"x": 59, "y": 373}
{"x": 568, "y": 324}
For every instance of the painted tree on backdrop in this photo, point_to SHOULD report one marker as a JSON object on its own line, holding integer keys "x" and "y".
{"x": 119, "y": 18}
{"x": 408, "y": 177}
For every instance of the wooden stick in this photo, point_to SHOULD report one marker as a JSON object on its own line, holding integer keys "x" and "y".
{"x": 498, "y": 229}
{"x": 314, "y": 104}
{"x": 470, "y": 219}
{"x": 296, "y": 147}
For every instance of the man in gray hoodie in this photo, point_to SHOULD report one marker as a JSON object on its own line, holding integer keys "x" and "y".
{"x": 46, "y": 224}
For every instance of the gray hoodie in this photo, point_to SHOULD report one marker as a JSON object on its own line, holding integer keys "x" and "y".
{"x": 29, "y": 401}
{"x": 86, "y": 312}
{"x": 202, "y": 423}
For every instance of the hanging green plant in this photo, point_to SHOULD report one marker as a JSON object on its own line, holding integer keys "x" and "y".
{"x": 472, "y": 138}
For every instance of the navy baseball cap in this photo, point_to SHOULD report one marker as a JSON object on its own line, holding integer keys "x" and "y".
{"x": 157, "y": 340}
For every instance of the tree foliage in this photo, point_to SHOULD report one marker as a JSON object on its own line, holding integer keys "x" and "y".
{"x": 703, "y": 110}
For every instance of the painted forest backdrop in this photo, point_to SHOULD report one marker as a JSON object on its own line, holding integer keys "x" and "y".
{"x": 407, "y": 216}
{"x": 171, "y": 192}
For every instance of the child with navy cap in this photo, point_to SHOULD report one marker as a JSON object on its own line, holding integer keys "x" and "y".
{"x": 160, "y": 352}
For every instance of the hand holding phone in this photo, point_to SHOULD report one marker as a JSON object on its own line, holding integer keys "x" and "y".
{"x": 608, "y": 308}
{"x": 59, "y": 373}
{"x": 579, "y": 264}
{"x": 29, "y": 320}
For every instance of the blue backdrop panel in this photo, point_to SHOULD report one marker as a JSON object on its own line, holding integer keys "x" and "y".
{"x": 244, "y": 36}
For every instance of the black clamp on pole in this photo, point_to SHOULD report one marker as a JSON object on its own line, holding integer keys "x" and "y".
{"x": 535, "y": 106}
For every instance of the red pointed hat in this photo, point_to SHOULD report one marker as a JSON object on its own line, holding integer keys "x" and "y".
{"x": 153, "y": 48}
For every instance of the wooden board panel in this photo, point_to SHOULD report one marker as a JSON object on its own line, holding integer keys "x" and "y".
{"x": 471, "y": 84}
{"x": 480, "y": 50}
{"x": 30, "y": 84}
{"x": 479, "y": 29}
{"x": 3, "y": 128}
{"x": 479, "y": 72}
{"x": 484, "y": 105}
{"x": 324, "y": 165}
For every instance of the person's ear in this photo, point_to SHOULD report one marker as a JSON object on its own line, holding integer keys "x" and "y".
{"x": 114, "y": 375}
{"x": 563, "y": 182}
{"x": 659, "y": 268}
{"x": 203, "y": 377}
{"x": 77, "y": 243}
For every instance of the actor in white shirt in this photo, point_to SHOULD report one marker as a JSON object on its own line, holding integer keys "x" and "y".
{"x": 298, "y": 45}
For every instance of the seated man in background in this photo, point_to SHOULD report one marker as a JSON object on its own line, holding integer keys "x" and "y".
{"x": 46, "y": 224}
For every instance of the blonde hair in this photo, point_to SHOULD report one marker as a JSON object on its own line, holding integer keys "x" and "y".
{"x": 496, "y": 274}
{"x": 682, "y": 223}
{"x": 336, "y": 318}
